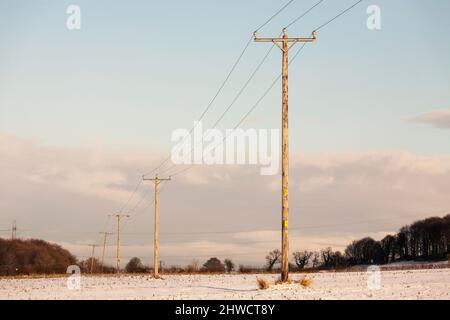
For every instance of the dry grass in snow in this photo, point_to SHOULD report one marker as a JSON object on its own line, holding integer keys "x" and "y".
{"x": 262, "y": 283}
{"x": 305, "y": 281}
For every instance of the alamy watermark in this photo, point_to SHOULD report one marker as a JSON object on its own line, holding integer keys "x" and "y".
{"x": 373, "y": 278}
{"x": 374, "y": 20}
{"x": 73, "y": 21}
{"x": 234, "y": 146}
{"x": 74, "y": 280}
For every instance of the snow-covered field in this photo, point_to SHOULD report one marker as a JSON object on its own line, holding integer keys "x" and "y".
{"x": 407, "y": 284}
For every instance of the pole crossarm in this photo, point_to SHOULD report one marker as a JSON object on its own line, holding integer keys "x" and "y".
{"x": 156, "y": 179}
{"x": 285, "y": 39}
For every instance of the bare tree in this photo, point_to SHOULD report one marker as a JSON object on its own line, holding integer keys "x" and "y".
{"x": 272, "y": 258}
{"x": 388, "y": 246}
{"x": 315, "y": 259}
{"x": 327, "y": 255}
{"x": 302, "y": 258}
{"x": 402, "y": 242}
{"x": 229, "y": 265}
{"x": 194, "y": 266}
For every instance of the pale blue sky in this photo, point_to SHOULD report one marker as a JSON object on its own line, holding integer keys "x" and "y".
{"x": 139, "y": 69}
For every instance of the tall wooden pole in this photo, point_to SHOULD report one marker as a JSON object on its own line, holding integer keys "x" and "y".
{"x": 118, "y": 245}
{"x": 283, "y": 44}
{"x": 156, "y": 181}
{"x": 118, "y": 216}
{"x": 105, "y": 235}
{"x": 155, "y": 240}
{"x": 14, "y": 230}
{"x": 92, "y": 258}
{"x": 284, "y": 166}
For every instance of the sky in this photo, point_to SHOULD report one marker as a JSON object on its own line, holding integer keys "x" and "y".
{"x": 84, "y": 113}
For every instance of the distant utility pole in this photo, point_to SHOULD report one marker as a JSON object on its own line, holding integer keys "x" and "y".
{"x": 156, "y": 181}
{"x": 283, "y": 44}
{"x": 105, "y": 235}
{"x": 14, "y": 230}
{"x": 119, "y": 217}
{"x": 92, "y": 257}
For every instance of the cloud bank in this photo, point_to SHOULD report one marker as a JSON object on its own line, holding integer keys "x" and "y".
{"x": 65, "y": 195}
{"x": 437, "y": 118}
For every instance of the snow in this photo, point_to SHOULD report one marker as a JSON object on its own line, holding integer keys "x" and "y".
{"x": 404, "y": 284}
{"x": 418, "y": 263}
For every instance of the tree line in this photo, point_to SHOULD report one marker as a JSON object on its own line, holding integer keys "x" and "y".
{"x": 427, "y": 239}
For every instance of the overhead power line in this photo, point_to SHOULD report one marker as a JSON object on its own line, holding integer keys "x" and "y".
{"x": 337, "y": 16}
{"x": 303, "y": 14}
{"x": 131, "y": 196}
{"x": 272, "y": 17}
{"x": 208, "y": 106}
{"x": 227, "y": 78}
{"x": 239, "y": 93}
{"x": 261, "y": 98}
{"x": 192, "y": 256}
{"x": 244, "y": 87}
{"x": 160, "y": 165}
{"x": 144, "y": 196}
{"x": 278, "y": 77}
{"x": 292, "y": 228}
{"x": 196, "y": 244}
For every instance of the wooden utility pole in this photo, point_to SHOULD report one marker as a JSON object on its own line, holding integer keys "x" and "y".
{"x": 92, "y": 257}
{"x": 156, "y": 181}
{"x": 283, "y": 44}
{"x": 119, "y": 217}
{"x": 105, "y": 235}
{"x": 14, "y": 230}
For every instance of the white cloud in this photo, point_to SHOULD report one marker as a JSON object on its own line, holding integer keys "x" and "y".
{"x": 439, "y": 118}
{"x": 334, "y": 198}
{"x": 93, "y": 172}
